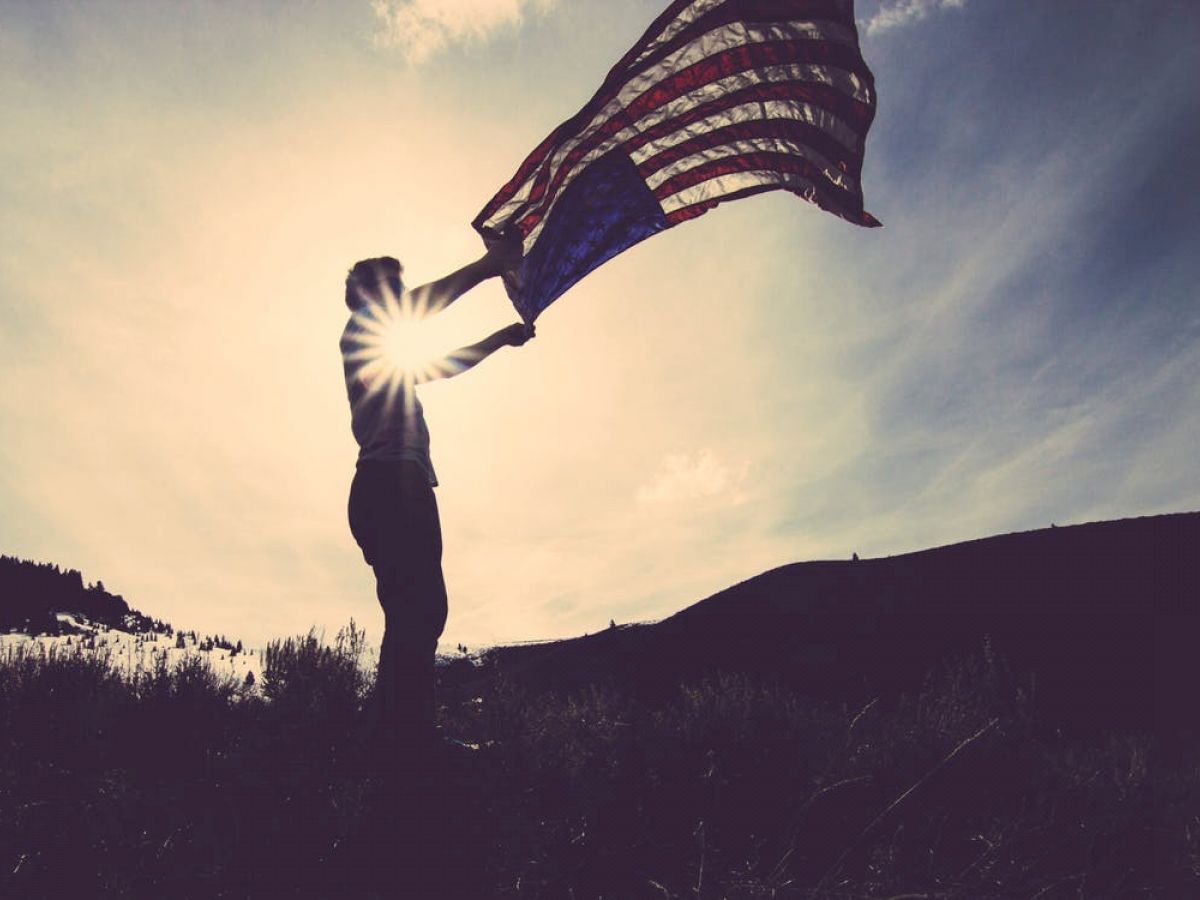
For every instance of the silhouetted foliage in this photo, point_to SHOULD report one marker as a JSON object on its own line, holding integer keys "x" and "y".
{"x": 679, "y": 760}
{"x": 177, "y": 782}
{"x": 31, "y": 594}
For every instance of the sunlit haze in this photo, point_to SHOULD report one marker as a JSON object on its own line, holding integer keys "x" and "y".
{"x": 185, "y": 186}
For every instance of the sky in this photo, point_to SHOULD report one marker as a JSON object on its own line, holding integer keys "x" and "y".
{"x": 183, "y": 187}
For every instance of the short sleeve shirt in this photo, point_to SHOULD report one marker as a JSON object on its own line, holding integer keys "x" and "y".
{"x": 385, "y": 412}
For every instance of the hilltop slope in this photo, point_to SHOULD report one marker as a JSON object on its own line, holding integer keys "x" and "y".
{"x": 33, "y": 594}
{"x": 1099, "y": 621}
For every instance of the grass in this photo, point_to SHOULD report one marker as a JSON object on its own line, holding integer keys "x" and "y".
{"x": 178, "y": 783}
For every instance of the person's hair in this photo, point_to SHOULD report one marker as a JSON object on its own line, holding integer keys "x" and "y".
{"x": 364, "y": 283}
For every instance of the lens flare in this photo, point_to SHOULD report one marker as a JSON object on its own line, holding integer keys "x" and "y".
{"x": 397, "y": 347}
{"x": 406, "y": 346}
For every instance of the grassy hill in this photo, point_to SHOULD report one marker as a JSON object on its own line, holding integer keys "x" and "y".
{"x": 974, "y": 722}
{"x": 1098, "y": 621}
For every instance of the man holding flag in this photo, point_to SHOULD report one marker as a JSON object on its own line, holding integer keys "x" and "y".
{"x": 719, "y": 100}
{"x": 392, "y": 510}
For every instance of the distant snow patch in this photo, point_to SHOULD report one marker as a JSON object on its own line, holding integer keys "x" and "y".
{"x": 130, "y": 652}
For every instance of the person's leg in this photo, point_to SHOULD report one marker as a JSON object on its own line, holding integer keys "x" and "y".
{"x": 371, "y": 495}
{"x": 417, "y": 609}
{"x": 431, "y": 606}
{"x": 407, "y": 562}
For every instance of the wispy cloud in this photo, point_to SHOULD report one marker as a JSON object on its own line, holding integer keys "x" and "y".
{"x": 895, "y": 13}
{"x": 421, "y": 28}
{"x": 684, "y": 476}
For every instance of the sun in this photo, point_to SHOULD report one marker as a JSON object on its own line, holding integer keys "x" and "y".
{"x": 397, "y": 345}
{"x": 407, "y": 346}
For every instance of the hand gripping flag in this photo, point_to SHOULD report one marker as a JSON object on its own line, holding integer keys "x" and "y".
{"x": 720, "y": 99}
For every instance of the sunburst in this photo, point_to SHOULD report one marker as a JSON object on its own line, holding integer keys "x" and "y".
{"x": 396, "y": 349}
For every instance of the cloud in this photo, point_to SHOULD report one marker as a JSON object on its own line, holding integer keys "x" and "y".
{"x": 681, "y": 476}
{"x": 421, "y": 28}
{"x": 905, "y": 12}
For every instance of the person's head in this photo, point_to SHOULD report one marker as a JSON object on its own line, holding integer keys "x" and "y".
{"x": 370, "y": 278}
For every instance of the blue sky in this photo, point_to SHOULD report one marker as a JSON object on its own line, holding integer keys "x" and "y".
{"x": 183, "y": 187}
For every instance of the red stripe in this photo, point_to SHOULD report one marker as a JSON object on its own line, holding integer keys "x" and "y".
{"x": 783, "y": 129}
{"x": 855, "y": 216}
{"x": 761, "y": 11}
{"x": 819, "y": 95}
{"x": 757, "y": 12}
{"x": 731, "y": 165}
{"x": 564, "y": 131}
{"x": 732, "y": 10}
{"x": 552, "y": 140}
{"x": 720, "y": 65}
{"x": 698, "y": 209}
{"x": 761, "y": 161}
{"x": 657, "y": 27}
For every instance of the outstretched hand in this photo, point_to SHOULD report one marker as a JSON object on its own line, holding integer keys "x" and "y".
{"x": 503, "y": 255}
{"x": 517, "y": 334}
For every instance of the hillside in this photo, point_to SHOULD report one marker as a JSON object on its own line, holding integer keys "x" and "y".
{"x": 835, "y": 765}
{"x": 34, "y": 595}
{"x": 1098, "y": 621}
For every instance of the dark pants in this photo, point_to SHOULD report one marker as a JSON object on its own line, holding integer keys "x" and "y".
{"x": 394, "y": 518}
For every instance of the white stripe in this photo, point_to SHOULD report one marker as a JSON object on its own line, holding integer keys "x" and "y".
{"x": 815, "y": 115}
{"x": 788, "y": 29}
{"x": 679, "y": 23}
{"x": 719, "y": 39}
{"x": 723, "y": 185}
{"x": 754, "y": 145}
{"x": 753, "y": 110}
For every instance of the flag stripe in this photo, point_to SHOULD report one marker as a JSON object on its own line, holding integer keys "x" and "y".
{"x": 634, "y": 140}
{"x": 822, "y": 123}
{"x": 810, "y": 102}
{"x": 719, "y": 99}
{"x": 732, "y": 61}
{"x": 784, "y": 120}
{"x": 700, "y": 198}
{"x": 749, "y": 162}
{"x": 827, "y": 105}
{"x": 688, "y": 50}
{"x": 812, "y": 14}
{"x": 757, "y": 143}
{"x": 681, "y": 16}
{"x": 679, "y": 8}
{"x": 675, "y": 27}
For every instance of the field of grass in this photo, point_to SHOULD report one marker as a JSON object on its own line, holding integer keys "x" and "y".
{"x": 172, "y": 782}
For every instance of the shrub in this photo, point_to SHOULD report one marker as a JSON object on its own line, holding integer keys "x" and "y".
{"x": 172, "y": 781}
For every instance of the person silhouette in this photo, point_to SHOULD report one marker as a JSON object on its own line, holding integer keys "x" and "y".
{"x": 392, "y": 510}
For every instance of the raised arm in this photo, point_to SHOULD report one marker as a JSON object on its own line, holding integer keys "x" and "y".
{"x": 464, "y": 358}
{"x": 437, "y": 295}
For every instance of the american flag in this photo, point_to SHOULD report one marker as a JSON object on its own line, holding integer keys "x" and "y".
{"x": 720, "y": 99}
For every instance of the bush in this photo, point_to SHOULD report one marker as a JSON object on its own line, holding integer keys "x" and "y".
{"x": 171, "y": 781}
{"x": 305, "y": 675}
